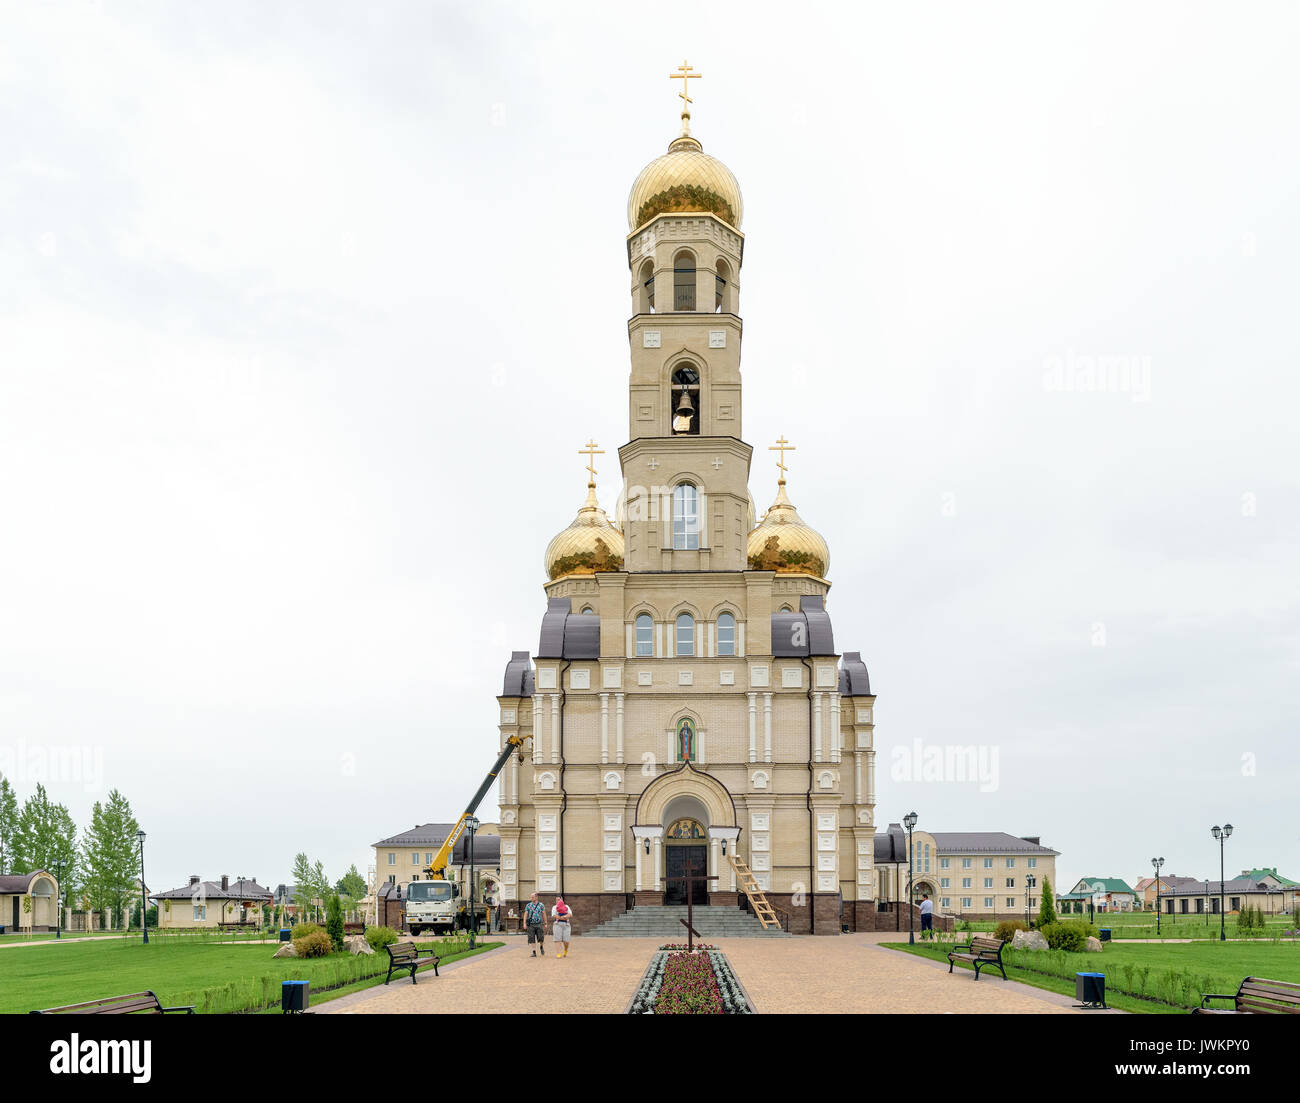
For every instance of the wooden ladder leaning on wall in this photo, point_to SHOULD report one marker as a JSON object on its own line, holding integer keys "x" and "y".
{"x": 757, "y": 901}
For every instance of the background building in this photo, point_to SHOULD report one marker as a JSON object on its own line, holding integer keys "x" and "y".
{"x": 209, "y": 904}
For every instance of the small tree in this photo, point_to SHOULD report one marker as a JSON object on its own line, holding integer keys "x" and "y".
{"x": 1047, "y": 906}
{"x": 334, "y": 920}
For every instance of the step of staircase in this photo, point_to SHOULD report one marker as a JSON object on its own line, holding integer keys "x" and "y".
{"x": 665, "y": 922}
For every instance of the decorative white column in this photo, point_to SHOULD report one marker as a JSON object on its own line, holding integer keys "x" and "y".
{"x": 514, "y": 779}
{"x": 618, "y": 703}
{"x": 539, "y": 731}
{"x": 555, "y": 729}
{"x": 753, "y": 726}
{"x": 767, "y": 727}
{"x": 604, "y": 728}
{"x": 836, "y": 734}
{"x": 636, "y": 845}
{"x": 659, "y": 863}
{"x": 817, "y": 727}
{"x": 857, "y": 778}
{"x": 713, "y": 865}
{"x": 871, "y": 777}
{"x": 740, "y": 639}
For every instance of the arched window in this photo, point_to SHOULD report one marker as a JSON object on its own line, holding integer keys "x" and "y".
{"x": 648, "y": 287}
{"x": 586, "y": 610}
{"x": 721, "y": 300}
{"x": 645, "y": 636}
{"x": 686, "y": 518}
{"x": 726, "y": 634}
{"x": 685, "y": 414}
{"x": 685, "y": 634}
{"x": 684, "y": 281}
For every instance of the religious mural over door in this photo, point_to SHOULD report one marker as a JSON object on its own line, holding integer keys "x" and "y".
{"x": 686, "y": 740}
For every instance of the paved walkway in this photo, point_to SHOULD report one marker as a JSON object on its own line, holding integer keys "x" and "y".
{"x": 849, "y": 973}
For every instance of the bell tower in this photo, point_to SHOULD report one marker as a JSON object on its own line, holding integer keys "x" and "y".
{"x": 685, "y": 468}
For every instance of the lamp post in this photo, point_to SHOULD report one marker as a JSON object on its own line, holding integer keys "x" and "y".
{"x": 58, "y": 899}
{"x": 1030, "y": 882}
{"x": 1157, "y": 864}
{"x": 144, "y": 896}
{"x": 471, "y": 826}
{"x": 1221, "y": 833}
{"x": 909, "y": 821}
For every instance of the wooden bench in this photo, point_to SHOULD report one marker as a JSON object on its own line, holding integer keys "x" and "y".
{"x": 406, "y": 955}
{"x": 135, "y": 1003}
{"x": 1256, "y": 996}
{"x": 981, "y": 951}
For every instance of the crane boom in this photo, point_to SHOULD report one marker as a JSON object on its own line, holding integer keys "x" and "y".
{"x": 437, "y": 868}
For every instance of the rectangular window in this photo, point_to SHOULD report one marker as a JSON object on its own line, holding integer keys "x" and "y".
{"x": 200, "y": 911}
{"x": 965, "y": 901}
{"x": 685, "y": 636}
{"x": 686, "y": 518}
{"x": 1200, "y": 906}
{"x": 988, "y": 863}
{"x": 965, "y": 863}
{"x": 1033, "y": 863}
{"x": 988, "y": 882}
{"x": 428, "y": 857}
{"x": 1183, "y": 906}
{"x": 392, "y": 858}
{"x": 1011, "y": 901}
{"x": 726, "y": 634}
{"x": 415, "y": 858}
{"x": 1011, "y": 863}
{"x": 944, "y": 902}
{"x": 944, "y": 863}
{"x": 965, "y": 882}
{"x": 1011, "y": 882}
{"x": 1236, "y": 903}
{"x": 988, "y": 902}
{"x": 943, "y": 883}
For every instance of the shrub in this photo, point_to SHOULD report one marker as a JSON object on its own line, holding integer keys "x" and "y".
{"x": 1068, "y": 934}
{"x": 379, "y": 937}
{"x": 301, "y": 929}
{"x": 315, "y": 944}
{"x": 334, "y": 921}
{"x": 1047, "y": 908}
{"x": 1006, "y": 930}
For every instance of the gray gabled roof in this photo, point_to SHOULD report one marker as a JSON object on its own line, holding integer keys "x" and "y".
{"x": 1234, "y": 886}
{"x": 239, "y": 890}
{"x": 805, "y": 633}
{"x": 853, "y": 676}
{"x": 568, "y": 635}
{"x": 422, "y": 834}
{"x": 987, "y": 842}
{"x": 519, "y": 676}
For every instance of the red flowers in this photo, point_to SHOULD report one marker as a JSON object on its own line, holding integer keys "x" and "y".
{"x": 689, "y": 987}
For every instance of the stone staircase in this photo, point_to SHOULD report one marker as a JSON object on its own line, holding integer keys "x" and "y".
{"x": 663, "y": 923}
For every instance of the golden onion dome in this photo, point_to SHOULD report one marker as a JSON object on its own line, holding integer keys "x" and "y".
{"x": 781, "y": 542}
{"x": 685, "y": 179}
{"x": 589, "y": 545}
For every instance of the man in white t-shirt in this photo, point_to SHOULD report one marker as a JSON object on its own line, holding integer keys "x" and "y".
{"x": 927, "y": 913}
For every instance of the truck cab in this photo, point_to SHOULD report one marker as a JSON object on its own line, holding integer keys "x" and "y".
{"x": 431, "y": 906}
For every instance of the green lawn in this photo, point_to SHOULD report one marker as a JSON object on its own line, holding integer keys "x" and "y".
{"x": 210, "y": 976}
{"x": 1125, "y": 925}
{"x": 1149, "y": 977}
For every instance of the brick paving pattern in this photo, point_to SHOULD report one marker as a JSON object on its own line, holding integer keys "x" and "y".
{"x": 848, "y": 973}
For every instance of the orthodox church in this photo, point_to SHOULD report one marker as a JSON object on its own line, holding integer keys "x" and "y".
{"x": 687, "y": 712}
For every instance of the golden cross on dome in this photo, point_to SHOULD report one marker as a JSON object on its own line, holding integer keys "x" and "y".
{"x": 591, "y": 452}
{"x": 783, "y": 446}
{"x": 685, "y": 73}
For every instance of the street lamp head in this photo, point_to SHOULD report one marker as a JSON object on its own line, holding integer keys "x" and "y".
{"x": 140, "y": 835}
{"x": 910, "y": 820}
{"x": 1227, "y": 830}
{"x": 1216, "y": 831}
{"x": 472, "y": 823}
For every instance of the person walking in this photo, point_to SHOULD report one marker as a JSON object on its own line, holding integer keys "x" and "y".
{"x": 927, "y": 914}
{"x": 535, "y": 924}
{"x": 562, "y": 926}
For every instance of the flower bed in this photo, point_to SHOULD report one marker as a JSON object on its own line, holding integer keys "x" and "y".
{"x": 681, "y": 983}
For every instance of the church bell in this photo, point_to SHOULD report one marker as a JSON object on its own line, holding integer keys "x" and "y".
{"x": 684, "y": 407}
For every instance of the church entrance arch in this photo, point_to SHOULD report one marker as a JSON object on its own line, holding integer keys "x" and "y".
{"x": 686, "y": 849}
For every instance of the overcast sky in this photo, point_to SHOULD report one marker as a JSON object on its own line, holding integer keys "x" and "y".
{"x": 306, "y": 309}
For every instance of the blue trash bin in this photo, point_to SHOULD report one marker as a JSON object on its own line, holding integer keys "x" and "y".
{"x": 293, "y": 996}
{"x": 284, "y": 934}
{"x": 1105, "y": 934}
{"x": 1090, "y": 989}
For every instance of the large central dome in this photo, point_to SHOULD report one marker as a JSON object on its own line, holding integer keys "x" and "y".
{"x": 685, "y": 180}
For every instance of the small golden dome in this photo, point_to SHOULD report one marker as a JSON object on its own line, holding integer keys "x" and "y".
{"x": 589, "y": 545}
{"x": 685, "y": 179}
{"x": 783, "y": 543}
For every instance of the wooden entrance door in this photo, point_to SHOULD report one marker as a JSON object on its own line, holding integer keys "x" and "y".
{"x": 680, "y": 861}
